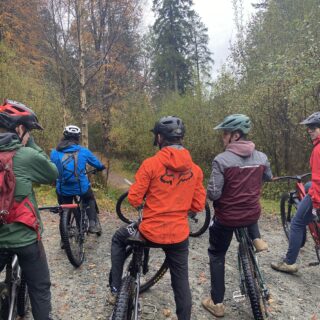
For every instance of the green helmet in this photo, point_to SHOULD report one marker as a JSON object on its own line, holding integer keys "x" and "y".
{"x": 235, "y": 122}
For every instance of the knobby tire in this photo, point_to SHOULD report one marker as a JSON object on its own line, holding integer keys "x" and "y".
{"x": 70, "y": 231}
{"x": 4, "y": 301}
{"x": 250, "y": 281}
{"x": 124, "y": 306}
{"x": 205, "y": 226}
{"x": 22, "y": 298}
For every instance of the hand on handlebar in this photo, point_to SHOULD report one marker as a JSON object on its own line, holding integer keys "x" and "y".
{"x": 316, "y": 212}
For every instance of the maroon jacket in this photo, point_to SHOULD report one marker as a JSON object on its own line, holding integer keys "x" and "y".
{"x": 235, "y": 183}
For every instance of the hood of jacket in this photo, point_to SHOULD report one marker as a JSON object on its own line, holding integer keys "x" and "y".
{"x": 9, "y": 141}
{"x": 175, "y": 157}
{"x": 69, "y": 148}
{"x": 241, "y": 148}
{"x": 64, "y": 143}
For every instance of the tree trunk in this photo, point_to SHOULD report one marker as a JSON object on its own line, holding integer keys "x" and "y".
{"x": 82, "y": 79}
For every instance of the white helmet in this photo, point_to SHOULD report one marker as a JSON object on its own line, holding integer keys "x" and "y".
{"x": 72, "y": 132}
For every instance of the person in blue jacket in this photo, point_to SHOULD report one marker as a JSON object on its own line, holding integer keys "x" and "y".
{"x": 71, "y": 159}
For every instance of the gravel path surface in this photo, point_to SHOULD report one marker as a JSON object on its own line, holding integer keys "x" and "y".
{"x": 80, "y": 293}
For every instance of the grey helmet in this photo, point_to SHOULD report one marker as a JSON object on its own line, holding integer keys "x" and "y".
{"x": 235, "y": 122}
{"x": 314, "y": 119}
{"x": 170, "y": 127}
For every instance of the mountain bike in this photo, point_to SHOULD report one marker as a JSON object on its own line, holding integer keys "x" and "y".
{"x": 136, "y": 279}
{"x": 252, "y": 284}
{"x": 288, "y": 206}
{"x": 73, "y": 228}
{"x": 14, "y": 298}
{"x": 198, "y": 221}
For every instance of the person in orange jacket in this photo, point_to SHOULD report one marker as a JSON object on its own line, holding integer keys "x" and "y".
{"x": 171, "y": 184}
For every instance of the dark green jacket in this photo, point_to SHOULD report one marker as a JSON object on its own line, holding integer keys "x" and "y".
{"x": 30, "y": 164}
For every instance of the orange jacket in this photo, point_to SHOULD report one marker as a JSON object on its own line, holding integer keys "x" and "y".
{"x": 172, "y": 185}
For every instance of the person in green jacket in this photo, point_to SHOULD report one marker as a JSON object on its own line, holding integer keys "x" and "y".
{"x": 30, "y": 165}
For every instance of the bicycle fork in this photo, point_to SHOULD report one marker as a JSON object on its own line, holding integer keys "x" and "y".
{"x": 15, "y": 282}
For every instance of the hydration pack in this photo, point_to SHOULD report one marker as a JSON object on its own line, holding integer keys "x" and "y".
{"x": 10, "y": 210}
{"x": 69, "y": 164}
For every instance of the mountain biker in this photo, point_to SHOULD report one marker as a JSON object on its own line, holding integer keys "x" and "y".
{"x": 309, "y": 207}
{"x": 234, "y": 187}
{"x": 30, "y": 164}
{"x": 71, "y": 159}
{"x": 171, "y": 184}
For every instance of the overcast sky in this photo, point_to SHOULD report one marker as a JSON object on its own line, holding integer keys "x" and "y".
{"x": 218, "y": 16}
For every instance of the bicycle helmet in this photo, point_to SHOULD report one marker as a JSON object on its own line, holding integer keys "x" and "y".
{"x": 13, "y": 113}
{"x": 314, "y": 119}
{"x": 235, "y": 122}
{"x": 170, "y": 127}
{"x": 72, "y": 131}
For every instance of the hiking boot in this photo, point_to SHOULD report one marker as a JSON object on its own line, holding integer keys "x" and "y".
{"x": 260, "y": 245}
{"x": 112, "y": 297}
{"x": 94, "y": 227}
{"x": 216, "y": 309}
{"x": 284, "y": 267}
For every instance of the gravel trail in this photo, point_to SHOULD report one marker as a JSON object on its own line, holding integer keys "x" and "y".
{"x": 80, "y": 293}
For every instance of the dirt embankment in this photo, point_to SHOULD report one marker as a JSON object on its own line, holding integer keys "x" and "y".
{"x": 80, "y": 293}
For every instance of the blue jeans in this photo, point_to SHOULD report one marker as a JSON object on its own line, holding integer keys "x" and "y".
{"x": 299, "y": 222}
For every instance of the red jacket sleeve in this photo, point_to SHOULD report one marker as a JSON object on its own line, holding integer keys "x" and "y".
{"x": 199, "y": 196}
{"x": 139, "y": 188}
{"x": 314, "y": 190}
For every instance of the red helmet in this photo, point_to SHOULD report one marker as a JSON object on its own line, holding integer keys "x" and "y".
{"x": 13, "y": 113}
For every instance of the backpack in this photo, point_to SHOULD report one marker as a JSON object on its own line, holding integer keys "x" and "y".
{"x": 10, "y": 210}
{"x": 69, "y": 164}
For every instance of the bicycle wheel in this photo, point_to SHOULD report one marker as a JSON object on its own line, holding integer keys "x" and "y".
{"x": 124, "y": 307}
{"x": 4, "y": 301}
{"x": 72, "y": 236}
{"x": 251, "y": 283}
{"x": 153, "y": 272}
{"x": 22, "y": 298}
{"x": 199, "y": 222}
{"x": 123, "y": 207}
{"x": 288, "y": 208}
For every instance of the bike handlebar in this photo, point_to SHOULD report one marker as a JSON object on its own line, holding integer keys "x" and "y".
{"x": 297, "y": 177}
{"x": 59, "y": 208}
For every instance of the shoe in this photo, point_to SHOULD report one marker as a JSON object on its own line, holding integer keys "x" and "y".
{"x": 216, "y": 309}
{"x": 260, "y": 245}
{"x": 112, "y": 297}
{"x": 284, "y": 267}
{"x": 94, "y": 227}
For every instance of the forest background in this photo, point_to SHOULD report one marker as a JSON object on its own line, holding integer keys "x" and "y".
{"x": 91, "y": 63}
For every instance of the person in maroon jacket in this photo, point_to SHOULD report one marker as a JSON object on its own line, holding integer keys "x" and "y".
{"x": 309, "y": 206}
{"x": 235, "y": 188}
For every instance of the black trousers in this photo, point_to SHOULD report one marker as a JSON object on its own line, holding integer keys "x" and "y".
{"x": 220, "y": 237}
{"x": 177, "y": 257}
{"x": 88, "y": 201}
{"x": 33, "y": 262}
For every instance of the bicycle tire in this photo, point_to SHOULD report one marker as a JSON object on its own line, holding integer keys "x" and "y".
{"x": 22, "y": 298}
{"x": 196, "y": 232}
{"x": 250, "y": 282}
{"x": 71, "y": 237}
{"x": 124, "y": 306}
{"x": 193, "y": 217}
{"x": 150, "y": 281}
{"x": 288, "y": 209}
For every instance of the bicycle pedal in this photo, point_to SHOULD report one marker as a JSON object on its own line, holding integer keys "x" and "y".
{"x": 149, "y": 311}
{"x": 238, "y": 296}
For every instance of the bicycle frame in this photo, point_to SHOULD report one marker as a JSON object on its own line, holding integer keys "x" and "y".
{"x": 15, "y": 283}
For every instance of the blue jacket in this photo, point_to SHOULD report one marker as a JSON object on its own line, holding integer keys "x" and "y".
{"x": 82, "y": 183}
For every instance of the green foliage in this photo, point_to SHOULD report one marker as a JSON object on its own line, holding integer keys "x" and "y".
{"x": 23, "y": 86}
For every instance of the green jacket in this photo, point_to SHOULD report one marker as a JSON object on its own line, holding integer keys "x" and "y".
{"x": 30, "y": 164}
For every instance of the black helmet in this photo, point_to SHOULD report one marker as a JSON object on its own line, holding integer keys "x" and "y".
{"x": 314, "y": 119}
{"x": 170, "y": 127}
{"x": 13, "y": 113}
